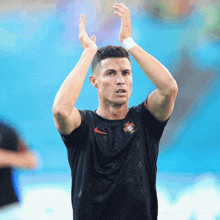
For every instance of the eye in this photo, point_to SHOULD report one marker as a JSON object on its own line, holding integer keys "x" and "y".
{"x": 110, "y": 73}
{"x": 126, "y": 73}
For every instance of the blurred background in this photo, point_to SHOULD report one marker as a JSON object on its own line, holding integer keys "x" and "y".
{"x": 39, "y": 46}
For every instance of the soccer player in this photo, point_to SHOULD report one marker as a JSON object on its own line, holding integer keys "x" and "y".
{"x": 13, "y": 154}
{"x": 113, "y": 151}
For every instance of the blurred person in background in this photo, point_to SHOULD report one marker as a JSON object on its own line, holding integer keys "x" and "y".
{"x": 13, "y": 154}
{"x": 113, "y": 151}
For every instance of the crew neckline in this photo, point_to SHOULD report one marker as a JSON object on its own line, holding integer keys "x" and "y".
{"x": 112, "y": 120}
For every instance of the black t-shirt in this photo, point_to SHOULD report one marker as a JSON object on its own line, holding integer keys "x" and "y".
{"x": 8, "y": 141}
{"x": 113, "y": 166}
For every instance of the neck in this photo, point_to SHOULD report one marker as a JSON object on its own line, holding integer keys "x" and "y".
{"x": 113, "y": 112}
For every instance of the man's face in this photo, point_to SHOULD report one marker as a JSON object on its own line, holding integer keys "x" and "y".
{"x": 114, "y": 81}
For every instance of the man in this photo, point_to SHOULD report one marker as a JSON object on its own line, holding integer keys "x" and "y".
{"x": 13, "y": 154}
{"x": 113, "y": 151}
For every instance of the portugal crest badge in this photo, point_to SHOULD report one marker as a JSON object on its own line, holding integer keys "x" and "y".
{"x": 129, "y": 127}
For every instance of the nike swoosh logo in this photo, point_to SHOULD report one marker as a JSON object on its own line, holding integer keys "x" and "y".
{"x": 100, "y": 132}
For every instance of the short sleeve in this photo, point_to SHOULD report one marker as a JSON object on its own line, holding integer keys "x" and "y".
{"x": 154, "y": 126}
{"x": 78, "y": 138}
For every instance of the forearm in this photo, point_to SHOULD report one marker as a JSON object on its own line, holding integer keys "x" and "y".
{"x": 15, "y": 159}
{"x": 70, "y": 89}
{"x": 154, "y": 70}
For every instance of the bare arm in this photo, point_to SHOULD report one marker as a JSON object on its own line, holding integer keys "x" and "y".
{"x": 161, "y": 101}
{"x": 66, "y": 116}
{"x": 23, "y": 158}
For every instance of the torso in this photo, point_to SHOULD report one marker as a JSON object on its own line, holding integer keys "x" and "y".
{"x": 114, "y": 168}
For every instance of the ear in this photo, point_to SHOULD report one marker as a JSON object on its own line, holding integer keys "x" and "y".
{"x": 93, "y": 80}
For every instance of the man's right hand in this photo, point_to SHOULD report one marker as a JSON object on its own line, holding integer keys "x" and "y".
{"x": 66, "y": 117}
{"x": 86, "y": 42}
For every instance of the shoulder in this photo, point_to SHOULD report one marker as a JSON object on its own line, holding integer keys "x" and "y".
{"x": 146, "y": 116}
{"x": 136, "y": 109}
{"x": 148, "y": 121}
{"x": 79, "y": 137}
{"x": 8, "y": 137}
{"x": 7, "y": 129}
{"x": 87, "y": 117}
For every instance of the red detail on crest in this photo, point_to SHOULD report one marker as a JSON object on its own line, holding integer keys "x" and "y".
{"x": 129, "y": 127}
{"x": 100, "y": 132}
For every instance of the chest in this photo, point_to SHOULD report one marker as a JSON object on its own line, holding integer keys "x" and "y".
{"x": 111, "y": 138}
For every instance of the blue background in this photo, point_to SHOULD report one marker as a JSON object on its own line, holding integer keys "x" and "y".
{"x": 39, "y": 46}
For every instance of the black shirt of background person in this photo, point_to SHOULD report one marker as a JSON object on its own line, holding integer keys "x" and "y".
{"x": 8, "y": 141}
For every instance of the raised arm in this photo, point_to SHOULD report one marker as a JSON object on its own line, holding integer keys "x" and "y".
{"x": 161, "y": 101}
{"x": 66, "y": 116}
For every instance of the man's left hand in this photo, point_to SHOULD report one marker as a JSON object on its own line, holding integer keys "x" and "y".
{"x": 124, "y": 13}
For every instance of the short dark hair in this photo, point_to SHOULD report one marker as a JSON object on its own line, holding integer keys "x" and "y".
{"x": 108, "y": 52}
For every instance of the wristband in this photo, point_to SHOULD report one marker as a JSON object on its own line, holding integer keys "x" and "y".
{"x": 128, "y": 43}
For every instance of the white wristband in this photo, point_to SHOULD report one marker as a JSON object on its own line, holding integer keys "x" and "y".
{"x": 128, "y": 43}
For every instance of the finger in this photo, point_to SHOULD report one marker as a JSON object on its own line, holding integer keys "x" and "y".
{"x": 119, "y": 14}
{"x": 82, "y": 23}
{"x": 124, "y": 6}
{"x": 120, "y": 5}
{"x": 117, "y": 7}
{"x": 120, "y": 9}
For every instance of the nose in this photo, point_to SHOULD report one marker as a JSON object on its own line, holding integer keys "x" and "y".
{"x": 120, "y": 80}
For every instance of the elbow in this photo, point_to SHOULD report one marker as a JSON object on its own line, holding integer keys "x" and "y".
{"x": 59, "y": 112}
{"x": 60, "y": 118}
{"x": 55, "y": 110}
{"x": 171, "y": 89}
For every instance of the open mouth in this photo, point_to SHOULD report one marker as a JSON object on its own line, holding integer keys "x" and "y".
{"x": 121, "y": 91}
